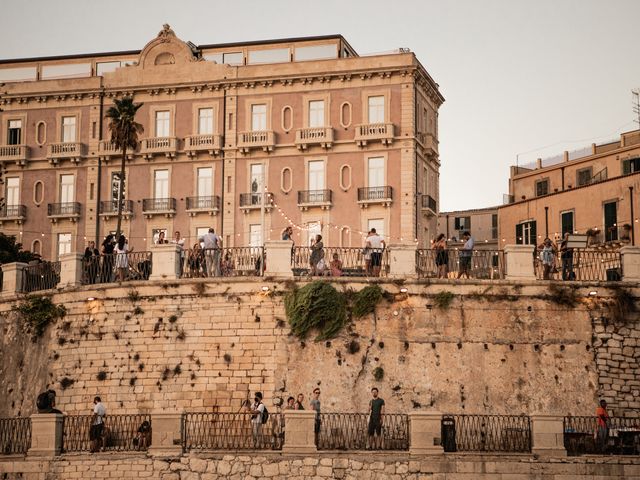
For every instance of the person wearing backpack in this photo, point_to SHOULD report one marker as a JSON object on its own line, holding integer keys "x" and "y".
{"x": 259, "y": 416}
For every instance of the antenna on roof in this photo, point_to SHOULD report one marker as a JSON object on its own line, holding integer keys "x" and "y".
{"x": 636, "y": 104}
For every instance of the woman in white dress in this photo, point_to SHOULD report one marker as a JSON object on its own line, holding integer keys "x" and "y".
{"x": 122, "y": 259}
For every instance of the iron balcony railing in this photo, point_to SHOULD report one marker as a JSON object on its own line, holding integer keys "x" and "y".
{"x": 353, "y": 262}
{"x": 582, "y": 435}
{"x": 486, "y": 433}
{"x": 203, "y": 203}
{"x": 15, "y": 435}
{"x": 62, "y": 209}
{"x": 253, "y": 199}
{"x": 232, "y": 431}
{"x": 159, "y": 205}
{"x": 120, "y": 433}
{"x": 581, "y": 264}
{"x": 375, "y": 193}
{"x": 429, "y": 202}
{"x": 482, "y": 264}
{"x": 314, "y": 196}
{"x": 13, "y": 211}
{"x": 350, "y": 431}
{"x": 104, "y": 268}
{"x": 222, "y": 262}
{"x": 42, "y": 276}
{"x": 111, "y": 206}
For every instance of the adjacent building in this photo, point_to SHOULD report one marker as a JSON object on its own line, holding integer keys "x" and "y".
{"x": 481, "y": 223}
{"x": 332, "y": 142}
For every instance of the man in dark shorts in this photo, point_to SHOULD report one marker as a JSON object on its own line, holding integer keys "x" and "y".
{"x": 376, "y": 411}
{"x": 96, "y": 432}
{"x": 376, "y": 245}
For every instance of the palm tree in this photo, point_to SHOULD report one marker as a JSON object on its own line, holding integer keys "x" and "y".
{"x": 124, "y": 135}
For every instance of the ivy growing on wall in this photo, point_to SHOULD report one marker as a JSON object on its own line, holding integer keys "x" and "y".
{"x": 36, "y": 313}
{"x": 365, "y": 300}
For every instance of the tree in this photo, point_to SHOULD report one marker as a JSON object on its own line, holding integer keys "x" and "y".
{"x": 11, "y": 251}
{"x": 124, "y": 135}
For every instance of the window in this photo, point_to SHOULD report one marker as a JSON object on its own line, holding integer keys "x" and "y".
{"x": 375, "y": 169}
{"x": 161, "y": 184}
{"x": 316, "y": 175}
{"x": 255, "y": 235}
{"x": 67, "y": 188}
{"x": 155, "y": 234}
{"x": 162, "y": 123}
{"x": 272, "y": 55}
{"x": 68, "y": 129}
{"x": 205, "y": 121}
{"x": 630, "y": 166}
{"x": 316, "y": 113}
{"x": 64, "y": 244}
{"x": 258, "y": 117}
{"x": 235, "y": 58}
{"x": 257, "y": 182}
{"x": 566, "y": 222}
{"x": 462, "y": 223}
{"x": 315, "y": 52}
{"x": 542, "y": 188}
{"x": 115, "y": 187}
{"x": 611, "y": 221}
{"x": 494, "y": 226}
{"x": 12, "y": 197}
{"x": 205, "y": 182}
{"x": 14, "y": 135}
{"x": 583, "y": 176}
{"x": 104, "y": 67}
{"x": 378, "y": 224}
{"x": 526, "y": 233}
{"x": 376, "y": 109}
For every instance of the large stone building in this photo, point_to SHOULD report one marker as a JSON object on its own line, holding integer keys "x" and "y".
{"x": 340, "y": 143}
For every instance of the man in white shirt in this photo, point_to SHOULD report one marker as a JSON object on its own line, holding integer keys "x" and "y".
{"x": 257, "y": 411}
{"x": 179, "y": 241}
{"x": 376, "y": 245}
{"x": 96, "y": 433}
{"x": 212, "y": 249}
{"x": 466, "y": 252}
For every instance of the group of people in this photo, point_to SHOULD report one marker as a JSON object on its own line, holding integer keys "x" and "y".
{"x": 465, "y": 255}
{"x": 101, "y": 265}
{"x": 548, "y": 253}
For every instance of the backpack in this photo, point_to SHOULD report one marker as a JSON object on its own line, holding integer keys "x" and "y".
{"x": 265, "y": 414}
{"x": 42, "y": 402}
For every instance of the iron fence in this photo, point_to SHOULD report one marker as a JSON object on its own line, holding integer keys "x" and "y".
{"x": 581, "y": 436}
{"x": 582, "y": 265}
{"x": 486, "y": 433}
{"x": 120, "y": 433}
{"x": 314, "y": 196}
{"x": 111, "y": 206}
{"x": 253, "y": 200}
{"x": 232, "y": 431}
{"x": 203, "y": 203}
{"x": 159, "y": 204}
{"x": 352, "y": 262}
{"x": 104, "y": 268}
{"x": 222, "y": 262}
{"x": 15, "y": 435}
{"x": 68, "y": 208}
{"x": 357, "y": 431}
{"x": 375, "y": 193}
{"x": 41, "y": 276}
{"x": 12, "y": 211}
{"x": 481, "y": 264}
{"x": 428, "y": 202}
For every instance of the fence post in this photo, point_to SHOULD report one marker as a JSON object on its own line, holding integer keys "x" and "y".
{"x": 425, "y": 435}
{"x": 46, "y": 435}
{"x": 299, "y": 431}
{"x": 402, "y": 261}
{"x": 630, "y": 262}
{"x": 547, "y": 435}
{"x": 70, "y": 270}
{"x": 165, "y": 262}
{"x": 278, "y": 258}
{"x": 519, "y": 262}
{"x": 166, "y": 434}
{"x": 12, "y": 278}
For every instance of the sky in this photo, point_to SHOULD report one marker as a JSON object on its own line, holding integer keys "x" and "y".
{"x": 522, "y": 79}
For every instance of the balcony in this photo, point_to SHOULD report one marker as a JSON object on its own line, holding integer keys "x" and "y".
{"x": 159, "y": 206}
{"x": 63, "y": 211}
{"x": 314, "y": 198}
{"x": 107, "y": 150}
{"x": 375, "y": 195}
{"x": 210, "y": 205}
{"x": 14, "y": 153}
{"x": 264, "y": 139}
{"x": 429, "y": 205}
{"x": 370, "y": 132}
{"x": 203, "y": 143}
{"x": 109, "y": 209}
{"x": 251, "y": 201}
{"x": 322, "y": 136}
{"x": 166, "y": 146}
{"x": 64, "y": 151}
{"x": 13, "y": 213}
{"x": 429, "y": 143}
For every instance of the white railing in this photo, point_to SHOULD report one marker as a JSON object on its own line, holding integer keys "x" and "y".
{"x": 64, "y": 149}
{"x": 13, "y": 152}
{"x": 159, "y": 144}
{"x": 317, "y": 135}
{"x": 264, "y": 139}
{"x": 203, "y": 141}
{"x": 374, "y": 131}
{"x": 108, "y": 147}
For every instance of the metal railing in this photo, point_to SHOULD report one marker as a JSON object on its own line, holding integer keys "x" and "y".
{"x": 104, "y": 268}
{"x": 222, "y": 262}
{"x": 13, "y": 211}
{"x": 486, "y": 433}
{"x": 42, "y": 276}
{"x": 482, "y": 264}
{"x": 356, "y": 431}
{"x": 118, "y": 434}
{"x": 111, "y": 206}
{"x": 375, "y": 193}
{"x": 15, "y": 435}
{"x": 429, "y": 202}
{"x": 253, "y": 199}
{"x": 158, "y": 204}
{"x": 67, "y": 208}
{"x": 204, "y": 203}
{"x": 581, "y": 436}
{"x": 583, "y": 265}
{"x": 314, "y": 196}
{"x": 231, "y": 431}
{"x": 354, "y": 262}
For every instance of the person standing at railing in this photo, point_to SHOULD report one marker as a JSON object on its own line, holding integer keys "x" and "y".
{"x": 376, "y": 243}
{"x": 107, "y": 259}
{"x": 602, "y": 434}
{"x": 315, "y": 405}
{"x": 179, "y": 241}
{"x": 257, "y": 414}
{"x": 299, "y": 402}
{"x": 547, "y": 257}
{"x": 317, "y": 254}
{"x": 376, "y": 412}
{"x": 287, "y": 234}
{"x": 566, "y": 256}
{"x": 465, "y": 254}
{"x": 122, "y": 258}
{"x": 96, "y": 432}
{"x": 91, "y": 260}
{"x": 442, "y": 256}
{"x": 212, "y": 249}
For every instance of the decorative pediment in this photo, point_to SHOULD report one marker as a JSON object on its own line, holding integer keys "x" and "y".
{"x": 166, "y": 49}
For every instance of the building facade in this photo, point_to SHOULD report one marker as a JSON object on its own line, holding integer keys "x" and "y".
{"x": 481, "y": 223}
{"x": 333, "y": 142}
{"x": 593, "y": 191}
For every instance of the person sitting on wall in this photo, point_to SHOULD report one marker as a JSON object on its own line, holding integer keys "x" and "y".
{"x": 336, "y": 266}
{"x": 142, "y": 439}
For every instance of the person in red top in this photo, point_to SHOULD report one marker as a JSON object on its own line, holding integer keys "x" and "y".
{"x": 603, "y": 425}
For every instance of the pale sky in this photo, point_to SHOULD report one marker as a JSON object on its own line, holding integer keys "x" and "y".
{"x": 517, "y": 75}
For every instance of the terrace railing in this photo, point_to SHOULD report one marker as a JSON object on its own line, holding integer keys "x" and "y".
{"x": 104, "y": 268}
{"x": 15, "y": 435}
{"x": 581, "y": 436}
{"x": 350, "y": 431}
{"x": 119, "y": 434}
{"x": 222, "y": 262}
{"x": 41, "y": 276}
{"x": 356, "y": 262}
{"x": 231, "y": 431}
{"x": 585, "y": 265}
{"x": 486, "y": 433}
{"x": 484, "y": 264}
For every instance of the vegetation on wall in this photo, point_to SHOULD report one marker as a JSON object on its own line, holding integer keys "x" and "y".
{"x": 316, "y": 306}
{"x": 566, "y": 296}
{"x": 36, "y": 313}
{"x": 443, "y": 299}
{"x": 623, "y": 305}
{"x": 365, "y": 300}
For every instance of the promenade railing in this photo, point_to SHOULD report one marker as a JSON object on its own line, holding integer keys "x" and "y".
{"x": 104, "y": 268}
{"x": 222, "y": 262}
{"x": 41, "y": 276}
{"x": 585, "y": 435}
{"x": 486, "y": 433}
{"x": 356, "y": 431}
{"x": 119, "y": 433}
{"x": 584, "y": 264}
{"x": 15, "y": 435}
{"x": 354, "y": 262}
{"x": 480, "y": 264}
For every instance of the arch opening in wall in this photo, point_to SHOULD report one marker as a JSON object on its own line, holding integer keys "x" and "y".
{"x": 286, "y": 180}
{"x": 165, "y": 58}
{"x": 345, "y": 114}
{"x": 41, "y": 133}
{"x": 287, "y": 118}
{"x": 345, "y": 237}
{"x": 38, "y": 192}
{"x": 36, "y": 247}
{"x": 345, "y": 177}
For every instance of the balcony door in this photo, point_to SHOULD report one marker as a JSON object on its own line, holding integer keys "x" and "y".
{"x": 316, "y": 113}
{"x": 378, "y": 224}
{"x": 205, "y": 121}
{"x": 258, "y": 118}
{"x": 376, "y": 109}
{"x": 257, "y": 182}
{"x": 67, "y": 189}
{"x": 12, "y": 197}
{"x": 375, "y": 169}
{"x": 162, "y": 123}
{"x": 64, "y": 244}
{"x": 161, "y": 184}
{"x": 255, "y": 235}
{"x": 14, "y": 134}
{"x": 610, "y": 221}
{"x": 316, "y": 181}
{"x": 69, "y": 129}
{"x": 205, "y": 182}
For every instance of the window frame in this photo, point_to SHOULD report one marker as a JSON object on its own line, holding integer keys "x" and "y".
{"x": 542, "y": 181}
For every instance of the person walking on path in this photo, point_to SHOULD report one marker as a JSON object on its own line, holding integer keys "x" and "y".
{"x": 376, "y": 412}
{"x": 602, "y": 434}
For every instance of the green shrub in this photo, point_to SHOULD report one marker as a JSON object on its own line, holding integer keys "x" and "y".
{"x": 365, "y": 300}
{"x": 378, "y": 373}
{"x": 316, "y": 306}
{"x": 38, "y": 312}
{"x": 443, "y": 299}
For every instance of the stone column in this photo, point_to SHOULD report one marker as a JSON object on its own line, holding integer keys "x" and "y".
{"x": 519, "y": 262}
{"x": 70, "y": 270}
{"x": 166, "y": 434}
{"x": 630, "y": 262}
{"x": 46, "y": 435}
{"x": 426, "y": 428}
{"x": 12, "y": 278}
{"x": 165, "y": 263}
{"x": 278, "y": 263}
{"x": 299, "y": 436}
{"x": 547, "y": 435}
{"x": 402, "y": 261}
